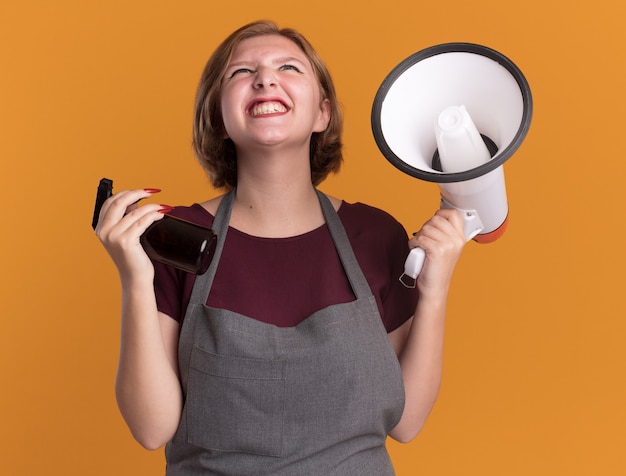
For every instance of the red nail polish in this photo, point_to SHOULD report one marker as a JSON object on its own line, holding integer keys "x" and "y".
{"x": 152, "y": 190}
{"x": 165, "y": 209}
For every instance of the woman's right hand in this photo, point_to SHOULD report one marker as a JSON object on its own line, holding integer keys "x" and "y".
{"x": 120, "y": 225}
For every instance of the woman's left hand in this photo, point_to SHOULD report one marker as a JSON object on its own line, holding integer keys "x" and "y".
{"x": 442, "y": 238}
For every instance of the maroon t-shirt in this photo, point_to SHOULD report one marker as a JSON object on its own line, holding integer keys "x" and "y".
{"x": 282, "y": 281}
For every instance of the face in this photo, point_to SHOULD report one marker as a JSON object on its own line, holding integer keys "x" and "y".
{"x": 270, "y": 95}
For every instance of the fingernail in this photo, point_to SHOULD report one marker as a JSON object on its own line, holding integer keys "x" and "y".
{"x": 165, "y": 209}
{"x": 152, "y": 190}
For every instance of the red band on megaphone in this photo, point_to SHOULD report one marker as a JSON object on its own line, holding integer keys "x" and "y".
{"x": 492, "y": 235}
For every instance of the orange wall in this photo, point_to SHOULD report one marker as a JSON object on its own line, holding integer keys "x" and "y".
{"x": 535, "y": 362}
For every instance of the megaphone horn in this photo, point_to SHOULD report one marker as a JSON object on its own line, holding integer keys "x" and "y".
{"x": 453, "y": 114}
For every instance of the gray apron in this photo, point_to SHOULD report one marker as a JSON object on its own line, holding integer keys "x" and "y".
{"x": 315, "y": 399}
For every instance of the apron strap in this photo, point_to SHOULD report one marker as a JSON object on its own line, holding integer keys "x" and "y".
{"x": 359, "y": 284}
{"x": 203, "y": 283}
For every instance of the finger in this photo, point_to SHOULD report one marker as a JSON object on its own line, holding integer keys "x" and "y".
{"x": 436, "y": 224}
{"x": 454, "y": 217}
{"x": 447, "y": 222}
{"x": 123, "y": 237}
{"x": 439, "y": 232}
{"x": 116, "y": 206}
{"x": 137, "y": 221}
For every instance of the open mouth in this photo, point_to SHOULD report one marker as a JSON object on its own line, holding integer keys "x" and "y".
{"x": 263, "y": 108}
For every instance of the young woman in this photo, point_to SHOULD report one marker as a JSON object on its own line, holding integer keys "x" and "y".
{"x": 298, "y": 351}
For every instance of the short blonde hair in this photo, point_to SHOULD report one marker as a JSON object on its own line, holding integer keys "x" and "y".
{"x": 216, "y": 154}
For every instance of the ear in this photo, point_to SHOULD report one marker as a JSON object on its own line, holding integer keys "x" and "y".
{"x": 324, "y": 116}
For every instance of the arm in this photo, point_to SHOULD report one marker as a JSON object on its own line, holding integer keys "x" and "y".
{"x": 419, "y": 342}
{"x": 147, "y": 386}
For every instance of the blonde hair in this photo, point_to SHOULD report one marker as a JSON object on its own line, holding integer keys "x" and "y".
{"x": 216, "y": 154}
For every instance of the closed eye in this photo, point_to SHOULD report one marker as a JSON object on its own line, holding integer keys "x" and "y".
{"x": 290, "y": 67}
{"x": 239, "y": 71}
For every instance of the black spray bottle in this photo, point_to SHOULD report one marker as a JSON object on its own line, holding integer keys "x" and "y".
{"x": 170, "y": 240}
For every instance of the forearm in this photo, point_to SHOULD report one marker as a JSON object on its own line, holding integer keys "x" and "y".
{"x": 421, "y": 361}
{"x": 147, "y": 387}
{"x": 420, "y": 346}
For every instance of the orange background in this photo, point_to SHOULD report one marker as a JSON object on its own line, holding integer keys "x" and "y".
{"x": 534, "y": 379}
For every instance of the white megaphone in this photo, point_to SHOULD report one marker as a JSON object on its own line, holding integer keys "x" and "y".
{"x": 453, "y": 114}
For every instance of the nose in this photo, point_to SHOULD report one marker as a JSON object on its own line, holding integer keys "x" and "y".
{"x": 265, "y": 78}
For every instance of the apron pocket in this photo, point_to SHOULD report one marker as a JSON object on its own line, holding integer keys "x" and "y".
{"x": 235, "y": 404}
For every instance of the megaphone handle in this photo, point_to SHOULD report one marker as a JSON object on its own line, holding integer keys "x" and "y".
{"x": 414, "y": 263}
{"x": 413, "y": 267}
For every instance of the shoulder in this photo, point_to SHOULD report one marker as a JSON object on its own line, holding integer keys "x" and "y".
{"x": 360, "y": 216}
{"x": 195, "y": 213}
{"x": 363, "y": 209}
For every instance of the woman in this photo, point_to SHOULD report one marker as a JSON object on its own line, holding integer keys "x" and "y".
{"x": 298, "y": 352}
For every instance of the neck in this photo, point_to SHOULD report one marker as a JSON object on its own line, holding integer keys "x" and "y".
{"x": 275, "y": 196}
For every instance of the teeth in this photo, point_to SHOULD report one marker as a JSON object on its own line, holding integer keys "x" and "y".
{"x": 267, "y": 108}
